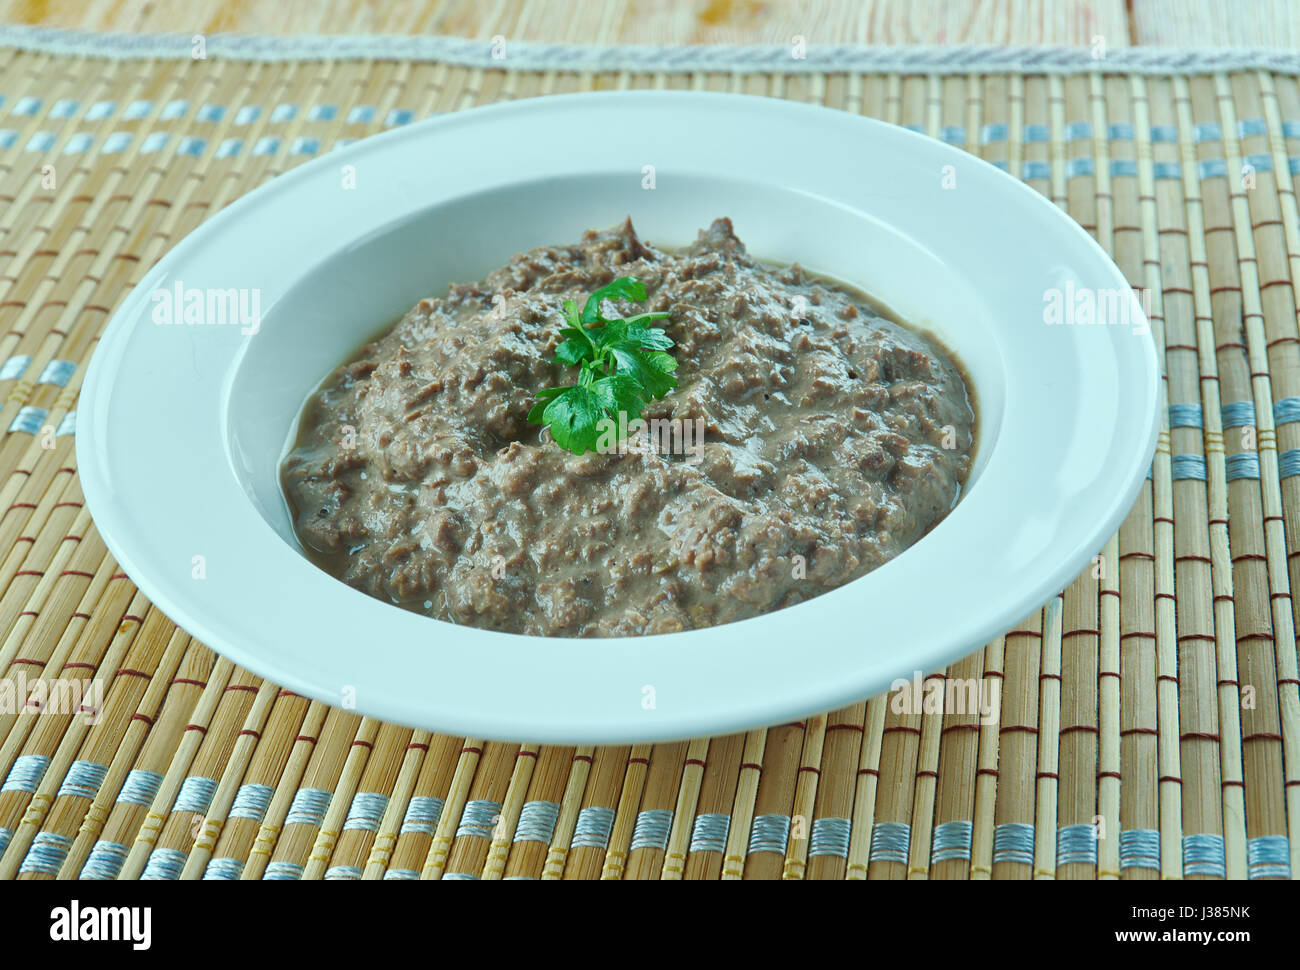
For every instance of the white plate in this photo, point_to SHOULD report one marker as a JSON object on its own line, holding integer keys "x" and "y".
{"x": 181, "y": 427}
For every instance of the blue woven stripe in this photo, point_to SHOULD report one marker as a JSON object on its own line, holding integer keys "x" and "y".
{"x": 410, "y": 874}
{"x": 366, "y": 811}
{"x": 1185, "y": 416}
{"x": 995, "y": 132}
{"x": 1189, "y": 466}
{"x": 1268, "y": 857}
{"x": 1164, "y": 133}
{"x": 1075, "y": 844}
{"x": 1166, "y": 170}
{"x": 47, "y": 852}
{"x": 770, "y": 833}
{"x": 1036, "y": 169}
{"x": 1208, "y": 131}
{"x": 1120, "y": 131}
{"x": 164, "y": 864}
{"x": 1238, "y": 414}
{"x": 1037, "y": 133}
{"x": 830, "y": 836}
{"x": 1139, "y": 849}
{"x": 478, "y": 819}
{"x": 5, "y": 836}
{"x": 343, "y": 872}
{"x": 890, "y": 842}
{"x": 652, "y": 828}
{"x": 1288, "y": 463}
{"x": 592, "y": 829}
{"x": 709, "y": 833}
{"x": 283, "y": 871}
{"x": 1242, "y": 465}
{"x": 1079, "y": 166}
{"x": 26, "y": 774}
{"x": 309, "y": 807}
{"x": 83, "y": 780}
{"x": 462, "y": 876}
{"x": 251, "y": 802}
{"x": 1210, "y": 168}
{"x": 1078, "y": 130}
{"x": 537, "y": 822}
{"x": 1014, "y": 842}
{"x": 140, "y": 787}
{"x": 1203, "y": 855}
{"x": 422, "y": 814}
{"x": 1286, "y": 411}
{"x": 952, "y": 840}
{"x": 195, "y": 795}
{"x": 105, "y": 861}
{"x": 1123, "y": 168}
{"x": 225, "y": 869}
{"x": 1251, "y": 126}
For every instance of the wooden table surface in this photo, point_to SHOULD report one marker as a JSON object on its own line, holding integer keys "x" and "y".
{"x": 1188, "y": 23}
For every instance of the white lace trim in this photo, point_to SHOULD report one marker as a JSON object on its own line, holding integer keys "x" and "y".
{"x": 780, "y": 58}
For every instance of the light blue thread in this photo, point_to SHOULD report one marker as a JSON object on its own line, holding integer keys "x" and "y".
{"x": 519, "y": 879}
{"x": 15, "y": 367}
{"x": 1288, "y": 463}
{"x": 136, "y": 110}
{"x": 63, "y": 108}
{"x": 26, "y": 107}
{"x": 361, "y": 114}
{"x": 1164, "y": 133}
{"x": 1014, "y": 842}
{"x": 1245, "y": 464}
{"x": 140, "y": 787}
{"x": 460, "y": 876}
{"x": 322, "y": 112}
{"x": 251, "y": 802}
{"x": 366, "y": 811}
{"x": 1203, "y": 855}
{"x": 116, "y": 143}
{"x": 1212, "y": 168}
{"x": 26, "y": 774}
{"x": 953, "y": 134}
{"x": 770, "y": 833}
{"x": 105, "y": 861}
{"x": 164, "y": 865}
{"x": 1076, "y": 844}
{"x": 1189, "y": 466}
{"x": 710, "y": 831}
{"x": 189, "y": 145}
{"x": 195, "y": 795}
{"x": 830, "y": 836}
{"x": 83, "y": 780}
{"x": 7, "y": 137}
{"x": 397, "y": 117}
{"x": 79, "y": 144}
{"x": 1037, "y": 169}
{"x": 1001, "y": 164}
{"x": 47, "y": 852}
{"x": 422, "y": 814}
{"x": 410, "y": 874}
{"x": 248, "y": 114}
{"x": 919, "y": 129}
{"x": 1037, "y": 133}
{"x": 995, "y": 132}
{"x": 537, "y": 822}
{"x": 1139, "y": 849}
{"x": 57, "y": 372}
{"x": 1123, "y": 168}
{"x": 5, "y": 836}
{"x": 1268, "y": 857}
{"x": 153, "y": 143}
{"x": 39, "y": 142}
{"x": 1079, "y": 166}
{"x": 1119, "y": 131}
{"x": 652, "y": 829}
{"x": 309, "y": 807}
{"x": 592, "y": 829}
{"x": 1285, "y": 411}
{"x": 890, "y": 842}
{"x": 224, "y": 868}
{"x": 229, "y": 147}
{"x": 952, "y": 840}
{"x": 283, "y": 871}
{"x": 1166, "y": 170}
{"x": 29, "y": 419}
{"x": 343, "y": 872}
{"x": 210, "y": 112}
{"x": 305, "y": 146}
{"x": 1291, "y": 129}
{"x": 478, "y": 819}
{"x": 1251, "y": 126}
{"x": 1260, "y": 162}
{"x": 1078, "y": 130}
{"x": 1237, "y": 414}
{"x": 1185, "y": 416}
{"x": 68, "y": 425}
{"x": 175, "y": 109}
{"x": 1207, "y": 131}
{"x": 101, "y": 110}
{"x": 284, "y": 112}
{"x": 266, "y": 145}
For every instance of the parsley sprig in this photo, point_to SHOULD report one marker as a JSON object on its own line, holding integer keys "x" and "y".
{"x": 622, "y": 367}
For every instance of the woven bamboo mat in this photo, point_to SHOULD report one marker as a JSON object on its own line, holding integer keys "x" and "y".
{"x": 1149, "y": 724}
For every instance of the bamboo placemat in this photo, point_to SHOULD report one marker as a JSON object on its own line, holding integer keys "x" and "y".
{"x": 1149, "y": 724}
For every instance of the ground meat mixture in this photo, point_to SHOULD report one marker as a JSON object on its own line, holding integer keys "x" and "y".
{"x": 833, "y": 439}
